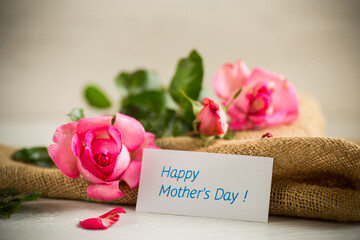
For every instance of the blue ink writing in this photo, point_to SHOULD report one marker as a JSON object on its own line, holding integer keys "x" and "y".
{"x": 245, "y": 195}
{"x": 183, "y": 192}
{"x": 226, "y": 196}
{"x": 182, "y": 175}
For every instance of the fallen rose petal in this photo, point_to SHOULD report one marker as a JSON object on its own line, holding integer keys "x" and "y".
{"x": 267, "y": 135}
{"x": 104, "y": 221}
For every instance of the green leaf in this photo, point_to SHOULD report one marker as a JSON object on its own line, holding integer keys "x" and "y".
{"x": 36, "y": 155}
{"x": 188, "y": 77}
{"x": 159, "y": 125}
{"x": 181, "y": 127}
{"x": 76, "y": 114}
{"x": 150, "y": 108}
{"x": 96, "y": 98}
{"x": 146, "y": 104}
{"x": 9, "y": 208}
{"x": 229, "y": 135}
{"x": 7, "y": 191}
{"x": 137, "y": 81}
{"x": 10, "y": 201}
{"x": 31, "y": 196}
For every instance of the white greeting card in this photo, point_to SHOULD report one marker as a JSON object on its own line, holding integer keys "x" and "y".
{"x": 205, "y": 184}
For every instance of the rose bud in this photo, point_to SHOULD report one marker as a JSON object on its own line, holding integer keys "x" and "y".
{"x": 211, "y": 120}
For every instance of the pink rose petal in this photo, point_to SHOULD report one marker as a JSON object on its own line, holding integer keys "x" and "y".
{"x": 132, "y": 174}
{"x": 104, "y": 221}
{"x": 132, "y": 132}
{"x": 84, "y": 164}
{"x": 106, "y": 191}
{"x": 286, "y": 91}
{"x": 148, "y": 143}
{"x": 260, "y": 75}
{"x": 122, "y": 163}
{"x": 89, "y": 175}
{"x": 230, "y": 78}
{"x": 61, "y": 152}
{"x": 95, "y": 124}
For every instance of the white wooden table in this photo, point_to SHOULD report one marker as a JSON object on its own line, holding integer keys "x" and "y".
{"x": 58, "y": 219}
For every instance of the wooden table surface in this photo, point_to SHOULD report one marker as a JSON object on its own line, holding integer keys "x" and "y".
{"x": 58, "y": 219}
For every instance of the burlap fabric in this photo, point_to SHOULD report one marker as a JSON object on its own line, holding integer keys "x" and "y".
{"x": 313, "y": 176}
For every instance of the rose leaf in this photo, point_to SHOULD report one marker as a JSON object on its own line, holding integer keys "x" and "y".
{"x": 36, "y": 155}
{"x": 96, "y": 98}
{"x": 188, "y": 77}
{"x": 10, "y": 201}
{"x": 76, "y": 114}
{"x": 137, "y": 81}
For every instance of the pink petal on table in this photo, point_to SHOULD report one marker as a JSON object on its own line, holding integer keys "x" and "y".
{"x": 107, "y": 191}
{"x": 132, "y": 174}
{"x": 96, "y": 124}
{"x": 230, "y": 78}
{"x": 103, "y": 221}
{"x": 132, "y": 132}
{"x": 61, "y": 152}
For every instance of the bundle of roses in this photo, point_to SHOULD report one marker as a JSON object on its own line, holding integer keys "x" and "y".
{"x": 106, "y": 150}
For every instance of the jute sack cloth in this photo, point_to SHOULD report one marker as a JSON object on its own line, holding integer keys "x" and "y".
{"x": 313, "y": 176}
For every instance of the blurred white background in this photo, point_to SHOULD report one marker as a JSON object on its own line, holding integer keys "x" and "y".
{"x": 50, "y": 49}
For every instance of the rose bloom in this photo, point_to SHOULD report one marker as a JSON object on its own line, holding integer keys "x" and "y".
{"x": 101, "y": 152}
{"x": 266, "y": 100}
{"x": 211, "y": 119}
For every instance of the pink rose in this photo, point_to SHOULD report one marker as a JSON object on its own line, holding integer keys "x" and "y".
{"x": 211, "y": 120}
{"x": 266, "y": 100}
{"x": 102, "y": 152}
